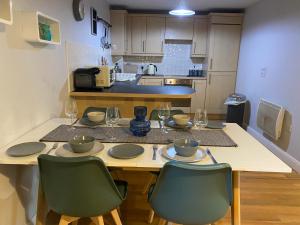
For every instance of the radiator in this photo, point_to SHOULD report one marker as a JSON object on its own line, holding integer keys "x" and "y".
{"x": 270, "y": 118}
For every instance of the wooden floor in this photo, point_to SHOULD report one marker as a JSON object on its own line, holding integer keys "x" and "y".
{"x": 266, "y": 199}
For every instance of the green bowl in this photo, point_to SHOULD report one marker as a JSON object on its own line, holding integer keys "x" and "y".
{"x": 185, "y": 147}
{"x": 81, "y": 143}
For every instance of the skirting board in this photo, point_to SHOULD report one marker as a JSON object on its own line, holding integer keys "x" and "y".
{"x": 288, "y": 159}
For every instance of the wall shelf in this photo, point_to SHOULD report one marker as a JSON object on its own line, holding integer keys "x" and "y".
{"x": 6, "y": 16}
{"x": 31, "y": 29}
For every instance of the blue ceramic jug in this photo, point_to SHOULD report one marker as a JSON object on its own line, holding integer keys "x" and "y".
{"x": 140, "y": 126}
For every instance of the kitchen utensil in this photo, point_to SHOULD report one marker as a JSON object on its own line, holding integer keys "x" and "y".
{"x": 185, "y": 147}
{"x": 66, "y": 151}
{"x": 125, "y": 151}
{"x": 211, "y": 156}
{"x": 170, "y": 153}
{"x": 25, "y": 149}
{"x": 82, "y": 143}
{"x": 55, "y": 145}
{"x": 151, "y": 69}
{"x": 155, "y": 147}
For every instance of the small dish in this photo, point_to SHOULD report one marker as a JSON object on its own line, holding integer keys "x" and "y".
{"x": 25, "y": 149}
{"x": 82, "y": 143}
{"x": 215, "y": 125}
{"x": 181, "y": 119}
{"x": 173, "y": 124}
{"x": 66, "y": 151}
{"x": 126, "y": 151}
{"x": 169, "y": 153}
{"x": 96, "y": 117}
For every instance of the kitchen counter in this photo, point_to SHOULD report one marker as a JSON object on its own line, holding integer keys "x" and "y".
{"x": 171, "y": 77}
{"x": 132, "y": 89}
{"x": 127, "y": 94}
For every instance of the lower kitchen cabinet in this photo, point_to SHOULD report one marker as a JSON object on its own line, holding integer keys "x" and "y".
{"x": 219, "y": 86}
{"x": 198, "y": 100}
{"x": 151, "y": 81}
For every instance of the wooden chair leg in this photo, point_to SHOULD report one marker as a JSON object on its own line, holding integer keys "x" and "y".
{"x": 151, "y": 216}
{"x": 115, "y": 216}
{"x": 66, "y": 220}
{"x": 162, "y": 221}
{"x": 148, "y": 184}
{"x": 98, "y": 220}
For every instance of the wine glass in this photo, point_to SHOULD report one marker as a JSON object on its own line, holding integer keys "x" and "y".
{"x": 163, "y": 115}
{"x": 112, "y": 117}
{"x": 71, "y": 110}
{"x": 200, "y": 118}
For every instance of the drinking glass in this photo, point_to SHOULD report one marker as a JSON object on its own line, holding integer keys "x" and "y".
{"x": 163, "y": 115}
{"x": 200, "y": 118}
{"x": 112, "y": 117}
{"x": 71, "y": 110}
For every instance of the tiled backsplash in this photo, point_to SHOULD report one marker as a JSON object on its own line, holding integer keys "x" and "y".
{"x": 176, "y": 60}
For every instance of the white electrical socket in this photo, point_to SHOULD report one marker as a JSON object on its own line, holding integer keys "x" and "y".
{"x": 263, "y": 72}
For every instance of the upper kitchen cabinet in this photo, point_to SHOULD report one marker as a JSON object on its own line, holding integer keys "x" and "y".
{"x": 224, "y": 43}
{"x": 118, "y": 32}
{"x": 199, "y": 45}
{"x": 6, "y": 12}
{"x": 147, "y": 35}
{"x": 155, "y": 35}
{"x": 138, "y": 34}
{"x": 179, "y": 28}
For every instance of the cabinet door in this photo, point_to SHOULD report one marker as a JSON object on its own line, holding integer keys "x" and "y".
{"x": 219, "y": 86}
{"x": 224, "y": 47}
{"x": 138, "y": 34}
{"x": 199, "y": 46}
{"x": 118, "y": 32}
{"x": 198, "y": 99}
{"x": 179, "y": 28}
{"x": 155, "y": 35}
{"x": 153, "y": 82}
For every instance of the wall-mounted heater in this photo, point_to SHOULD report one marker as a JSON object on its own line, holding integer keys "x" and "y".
{"x": 270, "y": 118}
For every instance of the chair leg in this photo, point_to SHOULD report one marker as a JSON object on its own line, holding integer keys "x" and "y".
{"x": 115, "y": 216}
{"x": 66, "y": 220}
{"x": 98, "y": 220}
{"x": 162, "y": 221}
{"x": 151, "y": 216}
{"x": 148, "y": 184}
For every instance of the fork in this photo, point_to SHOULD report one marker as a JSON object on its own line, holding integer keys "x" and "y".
{"x": 155, "y": 147}
{"x": 55, "y": 145}
{"x": 211, "y": 156}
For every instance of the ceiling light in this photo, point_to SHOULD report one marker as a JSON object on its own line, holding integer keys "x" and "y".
{"x": 182, "y": 12}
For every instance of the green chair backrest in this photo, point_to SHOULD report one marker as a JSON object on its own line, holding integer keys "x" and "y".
{"x": 154, "y": 113}
{"x": 93, "y": 109}
{"x": 192, "y": 194}
{"x": 79, "y": 187}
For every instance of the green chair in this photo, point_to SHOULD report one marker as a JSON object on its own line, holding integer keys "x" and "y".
{"x": 80, "y": 187}
{"x": 154, "y": 113}
{"x": 192, "y": 194}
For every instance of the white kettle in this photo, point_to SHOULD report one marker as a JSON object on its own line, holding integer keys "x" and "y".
{"x": 151, "y": 69}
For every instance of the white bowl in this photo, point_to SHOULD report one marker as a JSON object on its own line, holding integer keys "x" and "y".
{"x": 181, "y": 119}
{"x": 96, "y": 116}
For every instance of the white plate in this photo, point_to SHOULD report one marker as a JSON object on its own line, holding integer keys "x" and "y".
{"x": 66, "y": 151}
{"x": 170, "y": 153}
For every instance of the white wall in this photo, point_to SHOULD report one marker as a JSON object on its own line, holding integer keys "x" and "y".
{"x": 271, "y": 40}
{"x": 33, "y": 88}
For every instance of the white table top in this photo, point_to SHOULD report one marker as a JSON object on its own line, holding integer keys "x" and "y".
{"x": 250, "y": 155}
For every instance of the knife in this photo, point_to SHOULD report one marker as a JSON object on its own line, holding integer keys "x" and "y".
{"x": 211, "y": 156}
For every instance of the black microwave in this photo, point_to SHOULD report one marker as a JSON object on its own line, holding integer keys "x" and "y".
{"x": 85, "y": 79}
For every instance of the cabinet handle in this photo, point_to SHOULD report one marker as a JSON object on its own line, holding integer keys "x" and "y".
{"x": 143, "y": 46}
{"x": 194, "y": 47}
{"x": 209, "y": 79}
{"x": 211, "y": 62}
{"x": 162, "y": 46}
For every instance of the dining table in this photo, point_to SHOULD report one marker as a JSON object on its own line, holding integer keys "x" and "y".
{"x": 249, "y": 155}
